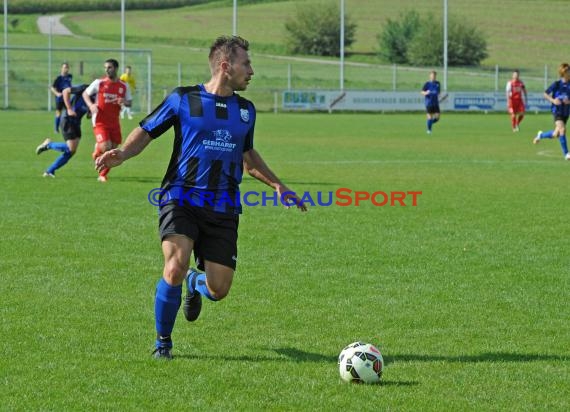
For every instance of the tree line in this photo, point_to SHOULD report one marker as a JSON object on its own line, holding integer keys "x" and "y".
{"x": 410, "y": 39}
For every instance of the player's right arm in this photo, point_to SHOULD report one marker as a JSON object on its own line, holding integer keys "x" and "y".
{"x": 550, "y": 94}
{"x": 66, "y": 93}
{"x": 137, "y": 140}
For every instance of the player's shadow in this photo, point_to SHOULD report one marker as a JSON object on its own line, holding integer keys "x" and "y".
{"x": 138, "y": 179}
{"x": 290, "y": 354}
{"x": 484, "y": 357}
{"x": 295, "y": 183}
{"x": 298, "y": 355}
{"x": 156, "y": 181}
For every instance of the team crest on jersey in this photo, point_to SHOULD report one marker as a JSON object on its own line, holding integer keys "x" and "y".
{"x": 244, "y": 113}
{"x": 221, "y": 141}
{"x": 222, "y": 135}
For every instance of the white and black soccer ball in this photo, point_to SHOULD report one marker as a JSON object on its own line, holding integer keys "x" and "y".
{"x": 360, "y": 362}
{"x": 348, "y": 348}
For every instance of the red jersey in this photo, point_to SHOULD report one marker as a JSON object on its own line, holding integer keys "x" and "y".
{"x": 515, "y": 90}
{"x": 109, "y": 106}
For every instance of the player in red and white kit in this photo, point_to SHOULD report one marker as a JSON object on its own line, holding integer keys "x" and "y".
{"x": 112, "y": 94}
{"x": 516, "y": 100}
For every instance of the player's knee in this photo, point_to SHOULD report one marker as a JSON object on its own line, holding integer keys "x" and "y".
{"x": 174, "y": 272}
{"x": 220, "y": 292}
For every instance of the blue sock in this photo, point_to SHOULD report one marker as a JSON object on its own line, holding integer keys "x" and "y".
{"x": 57, "y": 120}
{"x": 435, "y": 120}
{"x": 563, "y": 144}
{"x": 60, "y": 147}
{"x": 429, "y": 123}
{"x": 166, "y": 304}
{"x": 197, "y": 283}
{"x": 547, "y": 135}
{"x": 60, "y": 161}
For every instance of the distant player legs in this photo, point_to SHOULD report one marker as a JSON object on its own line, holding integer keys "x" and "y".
{"x": 107, "y": 139}
{"x": 72, "y": 145}
{"x": 432, "y": 118}
{"x": 560, "y": 129}
{"x": 517, "y": 114}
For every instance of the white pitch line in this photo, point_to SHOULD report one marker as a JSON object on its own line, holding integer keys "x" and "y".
{"x": 417, "y": 161}
{"x": 548, "y": 153}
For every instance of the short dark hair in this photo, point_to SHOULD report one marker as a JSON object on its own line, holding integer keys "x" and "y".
{"x": 226, "y": 47}
{"x": 114, "y": 62}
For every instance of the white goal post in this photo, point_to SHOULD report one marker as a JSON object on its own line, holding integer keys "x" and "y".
{"x": 32, "y": 70}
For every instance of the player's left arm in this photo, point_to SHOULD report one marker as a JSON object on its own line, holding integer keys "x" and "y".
{"x": 127, "y": 100}
{"x": 257, "y": 168}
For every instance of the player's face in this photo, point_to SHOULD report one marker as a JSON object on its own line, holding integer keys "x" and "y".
{"x": 515, "y": 75}
{"x": 110, "y": 70}
{"x": 64, "y": 69}
{"x": 240, "y": 71}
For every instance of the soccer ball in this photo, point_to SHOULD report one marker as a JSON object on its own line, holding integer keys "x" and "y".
{"x": 361, "y": 363}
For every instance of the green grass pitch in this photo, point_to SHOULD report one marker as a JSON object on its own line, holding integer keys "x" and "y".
{"x": 466, "y": 294}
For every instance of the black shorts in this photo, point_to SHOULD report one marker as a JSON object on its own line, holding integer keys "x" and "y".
{"x": 70, "y": 127}
{"x": 432, "y": 108}
{"x": 59, "y": 104}
{"x": 558, "y": 117}
{"x": 214, "y": 234}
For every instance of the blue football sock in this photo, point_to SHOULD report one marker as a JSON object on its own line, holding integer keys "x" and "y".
{"x": 166, "y": 305}
{"x": 429, "y": 123}
{"x": 57, "y": 121}
{"x": 197, "y": 283}
{"x": 563, "y": 144}
{"x": 60, "y": 161}
{"x": 547, "y": 135}
{"x": 435, "y": 120}
{"x": 59, "y": 146}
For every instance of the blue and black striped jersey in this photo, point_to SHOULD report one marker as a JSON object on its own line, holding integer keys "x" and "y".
{"x": 560, "y": 90}
{"x": 77, "y": 103}
{"x": 211, "y": 133}
{"x": 62, "y": 82}
{"x": 434, "y": 88}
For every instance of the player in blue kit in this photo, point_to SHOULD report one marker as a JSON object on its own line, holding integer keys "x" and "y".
{"x": 431, "y": 91}
{"x": 61, "y": 82}
{"x": 74, "y": 109}
{"x": 213, "y": 142}
{"x": 558, "y": 93}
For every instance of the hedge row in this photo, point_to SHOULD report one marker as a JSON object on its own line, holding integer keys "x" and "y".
{"x": 56, "y": 6}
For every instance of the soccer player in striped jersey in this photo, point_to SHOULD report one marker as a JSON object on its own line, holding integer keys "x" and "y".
{"x": 430, "y": 91}
{"x": 517, "y": 100}
{"x": 199, "y": 213}
{"x": 112, "y": 94}
{"x": 61, "y": 82}
{"x": 71, "y": 115}
{"x": 558, "y": 94}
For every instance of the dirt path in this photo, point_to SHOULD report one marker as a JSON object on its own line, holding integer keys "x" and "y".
{"x": 57, "y": 28}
